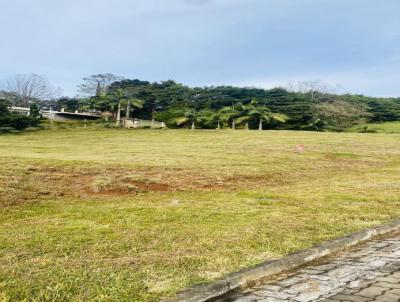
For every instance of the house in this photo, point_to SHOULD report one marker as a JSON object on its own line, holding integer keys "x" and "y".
{"x": 21, "y": 110}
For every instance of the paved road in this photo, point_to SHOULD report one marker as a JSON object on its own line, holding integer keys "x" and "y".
{"x": 369, "y": 273}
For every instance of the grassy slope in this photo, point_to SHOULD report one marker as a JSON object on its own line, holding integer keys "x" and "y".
{"x": 108, "y": 215}
{"x": 388, "y": 127}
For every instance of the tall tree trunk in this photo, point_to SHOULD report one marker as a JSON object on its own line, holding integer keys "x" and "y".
{"x": 219, "y": 125}
{"x": 260, "y": 126}
{"x": 118, "y": 123}
{"x": 193, "y": 125}
{"x": 128, "y": 109}
{"x": 233, "y": 117}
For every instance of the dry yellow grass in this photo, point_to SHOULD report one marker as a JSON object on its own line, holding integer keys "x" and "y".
{"x": 113, "y": 215}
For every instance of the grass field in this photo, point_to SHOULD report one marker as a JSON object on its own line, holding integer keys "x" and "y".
{"x": 388, "y": 127}
{"x": 113, "y": 215}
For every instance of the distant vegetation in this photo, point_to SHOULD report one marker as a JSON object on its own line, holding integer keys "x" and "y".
{"x": 10, "y": 121}
{"x": 304, "y": 106}
{"x": 307, "y": 105}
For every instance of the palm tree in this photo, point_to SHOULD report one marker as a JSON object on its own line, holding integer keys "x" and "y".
{"x": 132, "y": 103}
{"x": 261, "y": 113}
{"x": 190, "y": 116}
{"x": 264, "y": 114}
{"x": 231, "y": 113}
{"x": 213, "y": 117}
{"x": 120, "y": 96}
{"x": 247, "y": 115}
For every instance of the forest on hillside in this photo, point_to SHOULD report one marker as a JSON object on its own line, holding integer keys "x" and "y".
{"x": 307, "y": 105}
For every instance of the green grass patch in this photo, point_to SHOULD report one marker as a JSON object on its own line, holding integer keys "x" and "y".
{"x": 115, "y": 215}
{"x": 387, "y": 127}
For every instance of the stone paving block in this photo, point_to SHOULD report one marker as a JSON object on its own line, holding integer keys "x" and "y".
{"x": 395, "y": 292}
{"x": 307, "y": 286}
{"x": 361, "y": 283}
{"x": 386, "y": 297}
{"x": 341, "y": 272}
{"x": 373, "y": 275}
{"x": 372, "y": 292}
{"x": 388, "y": 279}
{"x": 275, "y": 295}
{"x": 375, "y": 263}
{"x": 349, "y": 291}
{"x": 355, "y": 284}
{"x": 388, "y": 285}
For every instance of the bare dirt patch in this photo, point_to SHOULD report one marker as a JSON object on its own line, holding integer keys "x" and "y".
{"x": 35, "y": 181}
{"x": 30, "y": 181}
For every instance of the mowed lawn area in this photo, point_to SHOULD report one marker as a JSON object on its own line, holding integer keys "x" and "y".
{"x": 118, "y": 215}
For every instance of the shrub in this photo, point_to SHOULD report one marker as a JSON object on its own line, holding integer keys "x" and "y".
{"x": 13, "y": 120}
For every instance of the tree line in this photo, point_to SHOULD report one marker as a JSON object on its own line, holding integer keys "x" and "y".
{"x": 308, "y": 105}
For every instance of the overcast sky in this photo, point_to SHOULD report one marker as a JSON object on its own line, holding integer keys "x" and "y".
{"x": 353, "y": 44}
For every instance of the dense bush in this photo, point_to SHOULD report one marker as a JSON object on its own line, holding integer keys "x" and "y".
{"x": 10, "y": 120}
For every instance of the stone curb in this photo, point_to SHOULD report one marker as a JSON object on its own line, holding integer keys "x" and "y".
{"x": 268, "y": 268}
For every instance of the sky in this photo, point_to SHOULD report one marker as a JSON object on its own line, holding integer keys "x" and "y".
{"x": 353, "y": 45}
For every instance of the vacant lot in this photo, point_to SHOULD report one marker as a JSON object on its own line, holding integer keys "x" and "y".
{"x": 113, "y": 215}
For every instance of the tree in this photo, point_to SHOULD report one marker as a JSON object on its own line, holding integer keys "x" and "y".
{"x": 97, "y": 84}
{"x": 261, "y": 113}
{"x": 4, "y": 107}
{"x": 69, "y": 104}
{"x": 215, "y": 118}
{"x": 231, "y": 113}
{"x": 24, "y": 89}
{"x": 264, "y": 114}
{"x": 311, "y": 87}
{"x": 11, "y": 120}
{"x": 120, "y": 96}
{"x": 131, "y": 104}
{"x": 34, "y": 111}
{"x": 190, "y": 116}
{"x": 339, "y": 115}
